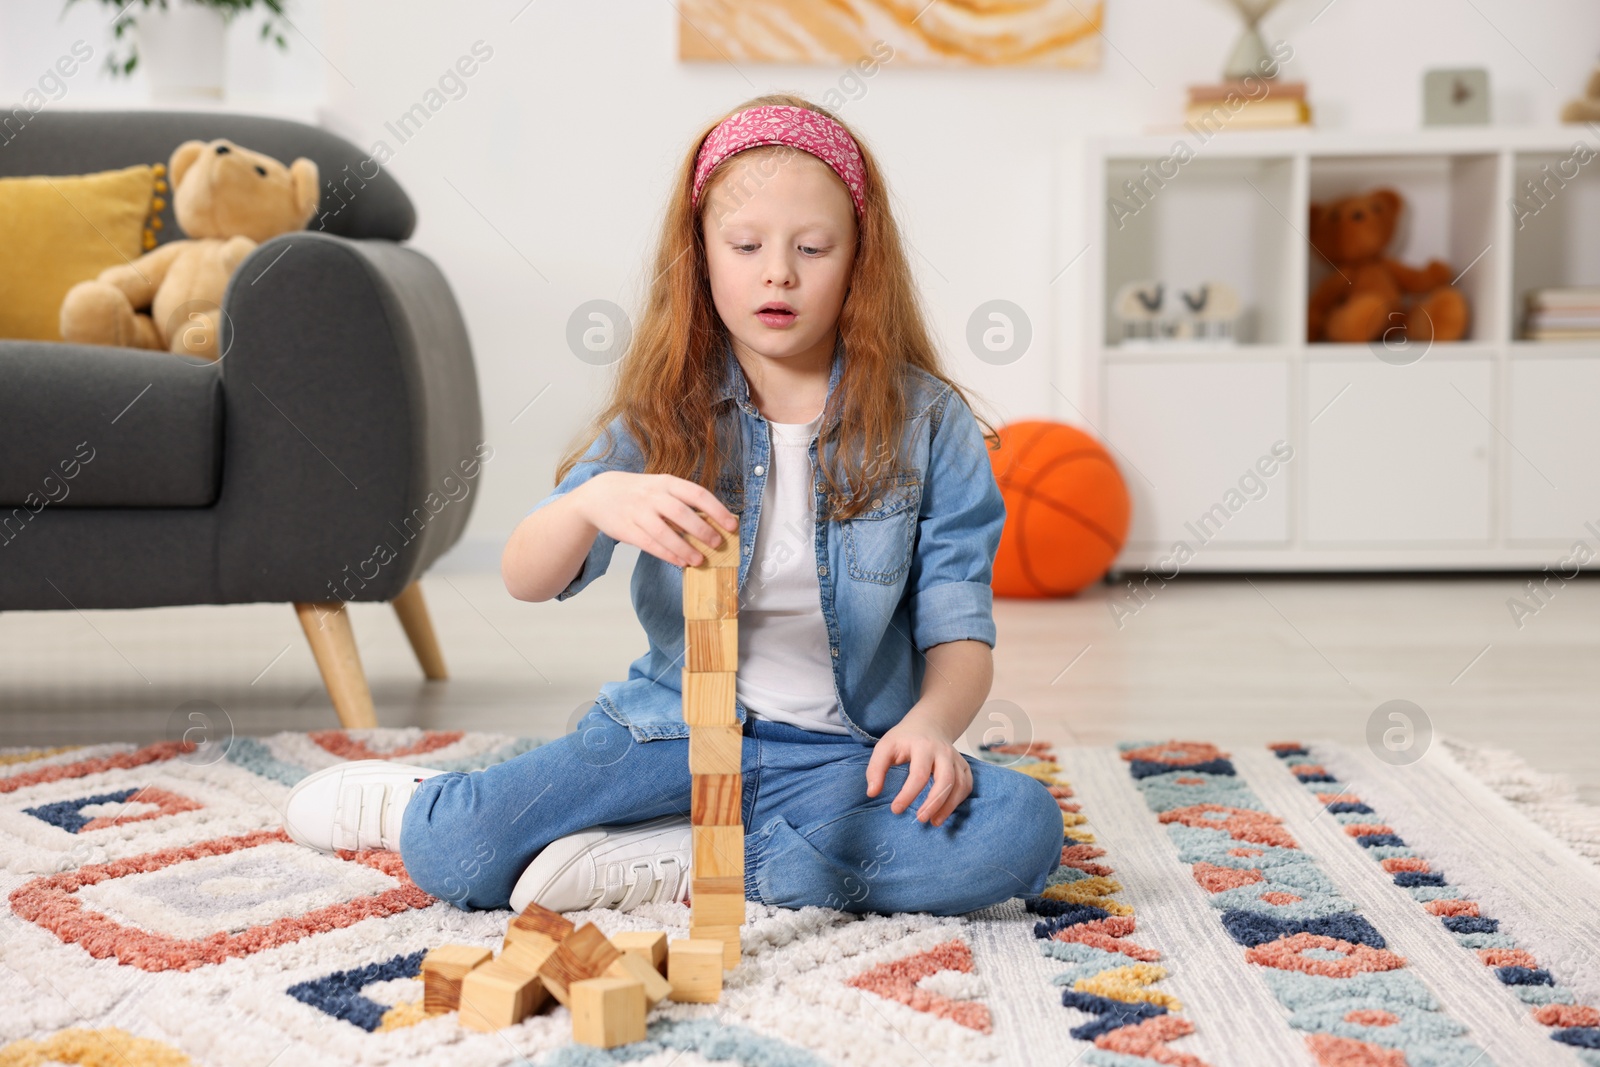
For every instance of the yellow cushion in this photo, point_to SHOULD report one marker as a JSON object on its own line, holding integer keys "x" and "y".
{"x": 57, "y": 232}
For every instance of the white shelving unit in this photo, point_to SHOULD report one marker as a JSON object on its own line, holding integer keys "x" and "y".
{"x": 1482, "y": 454}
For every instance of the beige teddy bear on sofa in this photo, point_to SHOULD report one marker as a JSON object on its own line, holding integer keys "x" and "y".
{"x": 227, "y": 199}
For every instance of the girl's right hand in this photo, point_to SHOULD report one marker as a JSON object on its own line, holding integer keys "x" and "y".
{"x": 653, "y": 511}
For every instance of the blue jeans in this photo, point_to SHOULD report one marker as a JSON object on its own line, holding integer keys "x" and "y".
{"x": 812, "y": 835}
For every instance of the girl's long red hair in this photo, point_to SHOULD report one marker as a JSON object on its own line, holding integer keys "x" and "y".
{"x": 666, "y": 380}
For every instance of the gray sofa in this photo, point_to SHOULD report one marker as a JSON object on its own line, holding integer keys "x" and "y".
{"x": 332, "y": 454}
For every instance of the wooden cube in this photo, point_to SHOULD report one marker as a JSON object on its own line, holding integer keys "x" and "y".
{"x": 727, "y": 936}
{"x": 538, "y": 926}
{"x": 716, "y": 799}
{"x": 443, "y": 969}
{"x": 635, "y": 966}
{"x": 710, "y": 592}
{"x": 694, "y": 967}
{"x": 584, "y": 953}
{"x": 717, "y": 901}
{"x": 709, "y": 698}
{"x": 715, "y": 749}
{"x": 527, "y": 956}
{"x": 607, "y": 1012}
{"x": 499, "y": 994}
{"x": 718, "y": 851}
{"x": 725, "y": 554}
{"x": 650, "y": 944}
{"x": 711, "y": 644}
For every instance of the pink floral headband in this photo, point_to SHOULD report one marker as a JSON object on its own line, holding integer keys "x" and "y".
{"x": 783, "y": 124}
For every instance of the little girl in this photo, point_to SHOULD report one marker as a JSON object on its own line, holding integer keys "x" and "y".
{"x": 782, "y": 385}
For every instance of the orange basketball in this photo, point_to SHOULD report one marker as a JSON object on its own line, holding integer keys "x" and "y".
{"x": 1066, "y": 510}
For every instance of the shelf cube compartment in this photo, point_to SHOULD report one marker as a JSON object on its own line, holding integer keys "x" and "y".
{"x": 1176, "y": 226}
{"x": 1450, "y": 214}
{"x": 1555, "y": 215}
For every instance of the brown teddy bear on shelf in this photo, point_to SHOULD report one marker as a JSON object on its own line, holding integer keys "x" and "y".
{"x": 1368, "y": 295}
{"x": 227, "y": 199}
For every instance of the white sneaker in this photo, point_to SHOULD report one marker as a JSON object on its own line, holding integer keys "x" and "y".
{"x": 618, "y": 867}
{"x": 355, "y": 805}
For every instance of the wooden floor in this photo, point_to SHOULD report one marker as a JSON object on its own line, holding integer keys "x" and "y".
{"x": 1235, "y": 660}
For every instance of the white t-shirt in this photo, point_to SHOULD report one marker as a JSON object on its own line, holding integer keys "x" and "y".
{"x": 785, "y": 668}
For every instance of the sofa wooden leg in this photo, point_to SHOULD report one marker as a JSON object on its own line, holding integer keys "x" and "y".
{"x": 413, "y": 612}
{"x": 327, "y": 627}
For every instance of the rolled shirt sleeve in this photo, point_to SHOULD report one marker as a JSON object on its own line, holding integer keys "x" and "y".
{"x": 959, "y": 524}
{"x": 623, "y": 457}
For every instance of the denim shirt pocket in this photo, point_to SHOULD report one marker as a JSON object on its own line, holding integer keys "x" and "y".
{"x": 878, "y": 542}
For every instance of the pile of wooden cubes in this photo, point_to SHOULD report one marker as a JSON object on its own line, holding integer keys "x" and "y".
{"x": 610, "y": 983}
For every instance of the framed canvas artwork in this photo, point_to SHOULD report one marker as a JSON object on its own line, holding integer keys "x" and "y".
{"x": 993, "y": 33}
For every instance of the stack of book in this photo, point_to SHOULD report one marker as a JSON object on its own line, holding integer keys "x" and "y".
{"x": 1563, "y": 314}
{"x": 1252, "y": 104}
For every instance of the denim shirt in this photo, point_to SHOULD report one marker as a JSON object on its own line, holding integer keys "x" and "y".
{"x": 910, "y": 572}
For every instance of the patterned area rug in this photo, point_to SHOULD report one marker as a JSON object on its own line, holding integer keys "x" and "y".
{"x": 1278, "y": 905}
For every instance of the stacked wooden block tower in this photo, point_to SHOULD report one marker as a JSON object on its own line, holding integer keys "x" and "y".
{"x": 610, "y": 983}
{"x": 711, "y": 658}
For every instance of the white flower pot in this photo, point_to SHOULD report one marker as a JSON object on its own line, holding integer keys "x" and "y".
{"x": 183, "y": 52}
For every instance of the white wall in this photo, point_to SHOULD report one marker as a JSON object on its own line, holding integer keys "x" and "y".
{"x": 541, "y": 187}
{"x": 35, "y": 33}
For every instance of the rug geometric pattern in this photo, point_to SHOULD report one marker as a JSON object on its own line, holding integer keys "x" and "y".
{"x": 155, "y": 913}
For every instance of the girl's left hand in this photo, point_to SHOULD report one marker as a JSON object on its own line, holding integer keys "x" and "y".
{"x": 928, "y": 751}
